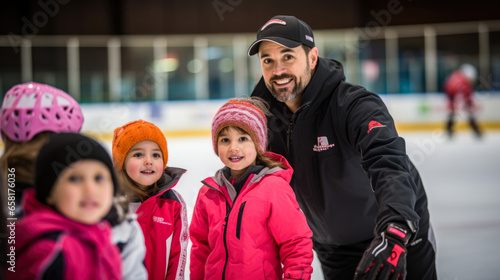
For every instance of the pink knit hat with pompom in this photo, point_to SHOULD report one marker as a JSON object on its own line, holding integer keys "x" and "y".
{"x": 243, "y": 114}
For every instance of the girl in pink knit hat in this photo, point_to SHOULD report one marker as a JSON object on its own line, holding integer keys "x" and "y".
{"x": 246, "y": 222}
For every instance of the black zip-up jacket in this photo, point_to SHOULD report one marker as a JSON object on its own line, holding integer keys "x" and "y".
{"x": 352, "y": 174}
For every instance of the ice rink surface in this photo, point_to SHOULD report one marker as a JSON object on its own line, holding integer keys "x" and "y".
{"x": 462, "y": 180}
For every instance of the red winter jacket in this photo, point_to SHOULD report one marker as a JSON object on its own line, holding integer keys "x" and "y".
{"x": 50, "y": 246}
{"x": 163, "y": 219}
{"x": 254, "y": 235}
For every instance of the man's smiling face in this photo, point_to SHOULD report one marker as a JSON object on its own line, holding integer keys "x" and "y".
{"x": 286, "y": 71}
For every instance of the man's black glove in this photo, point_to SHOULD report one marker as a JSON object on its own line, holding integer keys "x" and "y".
{"x": 385, "y": 258}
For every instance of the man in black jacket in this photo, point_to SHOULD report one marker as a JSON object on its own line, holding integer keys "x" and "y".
{"x": 363, "y": 198}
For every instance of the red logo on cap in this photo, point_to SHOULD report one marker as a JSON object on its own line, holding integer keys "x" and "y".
{"x": 278, "y": 21}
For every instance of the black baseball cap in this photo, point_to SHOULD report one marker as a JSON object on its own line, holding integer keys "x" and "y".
{"x": 287, "y": 31}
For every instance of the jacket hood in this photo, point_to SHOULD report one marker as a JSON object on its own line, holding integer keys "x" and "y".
{"x": 328, "y": 75}
{"x": 170, "y": 177}
{"x": 168, "y": 180}
{"x": 286, "y": 173}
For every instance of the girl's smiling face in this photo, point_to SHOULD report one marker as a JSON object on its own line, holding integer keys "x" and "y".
{"x": 144, "y": 163}
{"x": 236, "y": 150}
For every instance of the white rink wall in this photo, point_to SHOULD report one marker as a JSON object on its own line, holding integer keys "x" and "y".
{"x": 187, "y": 118}
{"x": 431, "y": 108}
{"x": 180, "y": 117}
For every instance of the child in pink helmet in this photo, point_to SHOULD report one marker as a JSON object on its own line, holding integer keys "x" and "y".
{"x": 31, "y": 112}
{"x": 246, "y": 222}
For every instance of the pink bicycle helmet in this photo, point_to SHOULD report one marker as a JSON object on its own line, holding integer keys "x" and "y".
{"x": 31, "y": 108}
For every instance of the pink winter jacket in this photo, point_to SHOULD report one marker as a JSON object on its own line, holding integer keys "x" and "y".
{"x": 50, "y": 246}
{"x": 163, "y": 219}
{"x": 254, "y": 235}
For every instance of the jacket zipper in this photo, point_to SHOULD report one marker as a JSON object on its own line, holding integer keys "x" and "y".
{"x": 240, "y": 217}
{"x": 228, "y": 210}
{"x": 289, "y": 134}
{"x": 291, "y": 124}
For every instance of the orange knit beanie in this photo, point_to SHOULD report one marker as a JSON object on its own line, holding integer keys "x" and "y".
{"x": 126, "y": 136}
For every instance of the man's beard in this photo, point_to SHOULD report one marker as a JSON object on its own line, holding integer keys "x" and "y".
{"x": 284, "y": 94}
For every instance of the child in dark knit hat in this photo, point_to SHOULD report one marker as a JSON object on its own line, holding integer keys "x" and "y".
{"x": 140, "y": 157}
{"x": 62, "y": 235}
{"x": 246, "y": 222}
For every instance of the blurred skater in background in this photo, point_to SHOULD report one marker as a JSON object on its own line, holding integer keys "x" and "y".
{"x": 459, "y": 87}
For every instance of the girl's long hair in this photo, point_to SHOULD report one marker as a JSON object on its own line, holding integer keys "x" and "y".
{"x": 261, "y": 159}
{"x": 22, "y": 156}
{"x": 120, "y": 209}
{"x": 268, "y": 161}
{"x": 132, "y": 189}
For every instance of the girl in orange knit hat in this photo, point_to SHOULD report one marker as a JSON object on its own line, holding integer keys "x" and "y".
{"x": 140, "y": 157}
